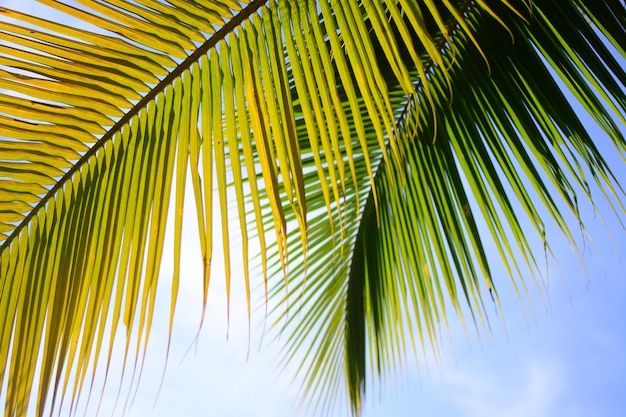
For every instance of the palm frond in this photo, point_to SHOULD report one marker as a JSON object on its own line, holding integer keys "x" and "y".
{"x": 116, "y": 127}
{"x": 321, "y": 115}
{"x": 508, "y": 149}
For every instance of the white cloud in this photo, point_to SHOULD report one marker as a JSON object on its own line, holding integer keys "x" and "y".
{"x": 528, "y": 388}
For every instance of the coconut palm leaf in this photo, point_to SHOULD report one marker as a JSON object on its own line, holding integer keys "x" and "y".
{"x": 506, "y": 146}
{"x": 366, "y": 144}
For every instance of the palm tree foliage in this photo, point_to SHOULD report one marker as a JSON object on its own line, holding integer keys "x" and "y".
{"x": 373, "y": 149}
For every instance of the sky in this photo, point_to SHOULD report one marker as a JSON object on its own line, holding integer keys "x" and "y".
{"x": 567, "y": 358}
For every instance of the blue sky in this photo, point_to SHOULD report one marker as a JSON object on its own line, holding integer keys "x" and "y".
{"x": 564, "y": 359}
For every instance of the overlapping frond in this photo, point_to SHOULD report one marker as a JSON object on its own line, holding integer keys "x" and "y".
{"x": 310, "y": 111}
{"x": 501, "y": 146}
